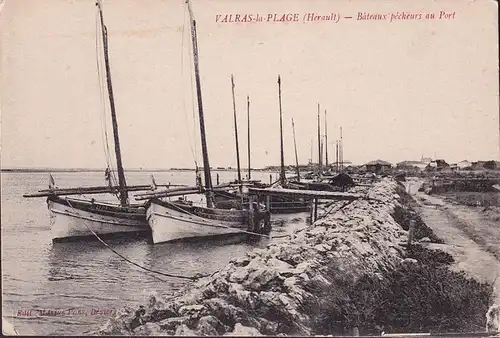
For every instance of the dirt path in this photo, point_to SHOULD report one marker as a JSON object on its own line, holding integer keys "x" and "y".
{"x": 472, "y": 239}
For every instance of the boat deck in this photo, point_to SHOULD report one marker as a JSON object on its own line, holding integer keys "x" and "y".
{"x": 331, "y": 195}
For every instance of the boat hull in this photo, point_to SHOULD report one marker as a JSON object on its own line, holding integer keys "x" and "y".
{"x": 278, "y": 204}
{"x": 74, "y": 218}
{"x": 172, "y": 222}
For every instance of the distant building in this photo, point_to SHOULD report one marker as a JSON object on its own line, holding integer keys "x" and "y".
{"x": 478, "y": 165}
{"x": 378, "y": 166}
{"x": 411, "y": 165}
{"x": 437, "y": 165}
{"x": 492, "y": 165}
{"x": 464, "y": 165}
{"x": 426, "y": 160}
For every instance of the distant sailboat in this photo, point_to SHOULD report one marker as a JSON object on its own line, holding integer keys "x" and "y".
{"x": 171, "y": 221}
{"x": 287, "y": 204}
{"x": 277, "y": 204}
{"x": 76, "y": 217}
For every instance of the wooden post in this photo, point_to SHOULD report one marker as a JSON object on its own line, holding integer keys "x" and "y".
{"x": 268, "y": 203}
{"x": 315, "y": 209}
{"x": 312, "y": 211}
{"x": 250, "y": 212}
{"x": 410, "y": 233}
{"x": 217, "y": 178}
{"x": 270, "y": 178}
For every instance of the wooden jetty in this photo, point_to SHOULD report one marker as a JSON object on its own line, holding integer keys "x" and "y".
{"x": 312, "y": 195}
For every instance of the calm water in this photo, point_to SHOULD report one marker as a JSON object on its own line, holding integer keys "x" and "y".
{"x": 82, "y": 276}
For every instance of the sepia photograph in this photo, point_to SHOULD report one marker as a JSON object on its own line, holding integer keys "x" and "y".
{"x": 250, "y": 168}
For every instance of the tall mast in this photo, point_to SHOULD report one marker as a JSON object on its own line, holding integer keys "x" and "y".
{"x": 206, "y": 164}
{"x": 319, "y": 146}
{"x": 236, "y": 132}
{"x": 337, "y": 155}
{"x": 341, "y": 151}
{"x": 282, "y": 171}
{"x": 326, "y": 144}
{"x": 248, "y": 123}
{"x": 321, "y": 149}
{"x": 119, "y": 166}
{"x": 296, "y": 156}
{"x": 311, "y": 160}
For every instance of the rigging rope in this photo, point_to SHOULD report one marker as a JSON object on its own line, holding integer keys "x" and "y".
{"x": 193, "y": 152}
{"x": 193, "y": 104}
{"x": 130, "y": 261}
{"x": 107, "y": 153}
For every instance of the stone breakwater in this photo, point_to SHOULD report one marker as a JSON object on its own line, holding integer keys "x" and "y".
{"x": 262, "y": 293}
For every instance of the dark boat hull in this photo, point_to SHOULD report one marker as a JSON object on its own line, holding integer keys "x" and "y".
{"x": 278, "y": 204}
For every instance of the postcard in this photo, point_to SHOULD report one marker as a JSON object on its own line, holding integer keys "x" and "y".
{"x": 216, "y": 167}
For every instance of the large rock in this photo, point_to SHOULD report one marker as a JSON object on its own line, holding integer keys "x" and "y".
{"x": 209, "y": 326}
{"x": 171, "y": 324}
{"x": 150, "y": 329}
{"x": 240, "y": 330}
{"x": 183, "y": 330}
{"x": 259, "y": 278}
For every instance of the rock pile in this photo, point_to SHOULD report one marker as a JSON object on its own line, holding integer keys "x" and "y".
{"x": 262, "y": 293}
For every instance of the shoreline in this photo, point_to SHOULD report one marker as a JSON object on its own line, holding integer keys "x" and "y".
{"x": 274, "y": 291}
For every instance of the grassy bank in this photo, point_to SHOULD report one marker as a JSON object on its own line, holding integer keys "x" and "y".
{"x": 413, "y": 297}
{"x": 406, "y": 212}
{"x": 474, "y": 199}
{"x": 420, "y": 294}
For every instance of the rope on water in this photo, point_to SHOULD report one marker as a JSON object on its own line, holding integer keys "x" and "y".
{"x": 196, "y": 277}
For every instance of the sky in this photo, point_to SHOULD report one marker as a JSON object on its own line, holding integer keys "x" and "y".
{"x": 400, "y": 90}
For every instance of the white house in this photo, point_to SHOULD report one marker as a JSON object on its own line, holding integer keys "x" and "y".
{"x": 464, "y": 164}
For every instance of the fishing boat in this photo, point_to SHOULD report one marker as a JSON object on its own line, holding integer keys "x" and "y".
{"x": 325, "y": 180}
{"x": 72, "y": 218}
{"x": 170, "y": 221}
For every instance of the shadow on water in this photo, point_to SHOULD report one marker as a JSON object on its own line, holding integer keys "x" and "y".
{"x": 88, "y": 245}
{"x": 71, "y": 260}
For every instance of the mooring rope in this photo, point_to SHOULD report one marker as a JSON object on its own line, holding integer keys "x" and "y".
{"x": 338, "y": 208}
{"x": 132, "y": 262}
